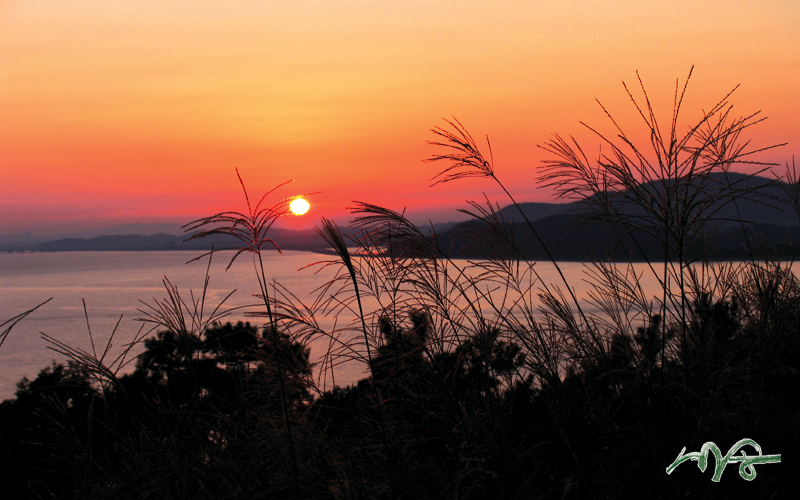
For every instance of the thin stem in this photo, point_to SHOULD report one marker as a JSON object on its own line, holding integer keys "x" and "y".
{"x": 274, "y": 334}
{"x": 553, "y": 261}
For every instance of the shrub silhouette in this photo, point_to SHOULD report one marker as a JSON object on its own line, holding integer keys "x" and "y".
{"x": 483, "y": 379}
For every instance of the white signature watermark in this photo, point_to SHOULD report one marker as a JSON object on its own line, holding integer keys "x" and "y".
{"x": 746, "y": 462}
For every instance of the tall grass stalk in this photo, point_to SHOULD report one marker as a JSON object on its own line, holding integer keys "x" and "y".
{"x": 334, "y": 237}
{"x": 486, "y": 377}
{"x": 666, "y": 188}
{"x": 10, "y": 323}
{"x": 103, "y": 370}
{"x": 467, "y": 161}
{"x": 251, "y": 230}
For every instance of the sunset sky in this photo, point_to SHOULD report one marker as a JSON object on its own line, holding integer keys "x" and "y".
{"x": 141, "y": 110}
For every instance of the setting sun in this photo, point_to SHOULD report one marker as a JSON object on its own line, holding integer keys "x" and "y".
{"x": 299, "y": 206}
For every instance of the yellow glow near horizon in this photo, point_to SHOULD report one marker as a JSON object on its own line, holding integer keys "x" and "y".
{"x": 299, "y": 206}
{"x": 138, "y": 110}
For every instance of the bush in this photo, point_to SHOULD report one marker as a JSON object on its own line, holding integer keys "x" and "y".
{"x": 485, "y": 381}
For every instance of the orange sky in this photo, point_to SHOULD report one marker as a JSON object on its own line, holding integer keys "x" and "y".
{"x": 140, "y": 110}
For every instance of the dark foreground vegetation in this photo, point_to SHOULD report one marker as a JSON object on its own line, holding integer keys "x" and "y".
{"x": 485, "y": 381}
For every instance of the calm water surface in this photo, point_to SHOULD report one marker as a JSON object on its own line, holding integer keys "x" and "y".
{"x": 113, "y": 284}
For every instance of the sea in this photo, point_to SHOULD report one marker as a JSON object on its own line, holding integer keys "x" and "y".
{"x": 94, "y": 295}
{"x": 110, "y": 292}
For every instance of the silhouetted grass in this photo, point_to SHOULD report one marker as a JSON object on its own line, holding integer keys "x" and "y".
{"x": 484, "y": 380}
{"x": 9, "y": 324}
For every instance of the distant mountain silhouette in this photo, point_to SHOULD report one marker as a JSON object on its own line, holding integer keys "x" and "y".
{"x": 287, "y": 239}
{"x": 159, "y": 241}
{"x": 770, "y": 227}
{"x": 566, "y": 228}
{"x": 142, "y": 228}
{"x": 571, "y": 237}
{"x": 767, "y": 207}
{"x": 539, "y": 210}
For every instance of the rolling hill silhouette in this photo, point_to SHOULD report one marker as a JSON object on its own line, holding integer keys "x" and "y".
{"x": 762, "y": 223}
